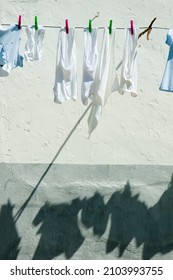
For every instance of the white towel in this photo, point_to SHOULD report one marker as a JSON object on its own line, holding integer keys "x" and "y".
{"x": 128, "y": 81}
{"x": 35, "y": 41}
{"x": 90, "y": 60}
{"x": 106, "y": 80}
{"x": 65, "y": 87}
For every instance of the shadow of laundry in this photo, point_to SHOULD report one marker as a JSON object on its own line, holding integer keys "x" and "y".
{"x": 128, "y": 220}
{"x": 95, "y": 214}
{"x": 9, "y": 238}
{"x": 59, "y": 230}
{"x": 127, "y": 214}
{"x": 160, "y": 225}
{"x": 132, "y": 219}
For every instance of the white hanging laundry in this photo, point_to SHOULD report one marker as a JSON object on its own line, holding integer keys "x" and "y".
{"x": 128, "y": 80}
{"x": 9, "y": 49}
{"x": 35, "y": 42}
{"x": 105, "y": 81}
{"x": 65, "y": 87}
{"x": 90, "y": 60}
{"x": 167, "y": 81}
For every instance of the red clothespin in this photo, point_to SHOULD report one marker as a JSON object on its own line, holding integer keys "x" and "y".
{"x": 66, "y": 26}
{"x": 132, "y": 27}
{"x": 19, "y": 21}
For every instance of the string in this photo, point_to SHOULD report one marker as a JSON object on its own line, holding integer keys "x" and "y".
{"x": 82, "y": 27}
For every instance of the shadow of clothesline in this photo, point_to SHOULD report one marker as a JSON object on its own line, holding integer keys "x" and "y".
{"x": 22, "y": 208}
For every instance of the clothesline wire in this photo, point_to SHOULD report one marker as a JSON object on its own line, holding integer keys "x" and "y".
{"x": 82, "y": 27}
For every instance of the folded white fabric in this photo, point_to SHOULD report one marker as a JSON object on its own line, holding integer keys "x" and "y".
{"x": 105, "y": 81}
{"x": 128, "y": 80}
{"x": 35, "y": 41}
{"x": 65, "y": 87}
{"x": 90, "y": 60}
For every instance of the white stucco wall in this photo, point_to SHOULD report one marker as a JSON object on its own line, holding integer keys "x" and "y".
{"x": 131, "y": 130}
{"x": 123, "y": 172}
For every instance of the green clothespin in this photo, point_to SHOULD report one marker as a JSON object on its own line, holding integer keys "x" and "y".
{"x": 36, "y": 23}
{"x": 110, "y": 27}
{"x": 90, "y": 25}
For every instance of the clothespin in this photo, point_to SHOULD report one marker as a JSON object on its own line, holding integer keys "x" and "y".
{"x": 90, "y": 25}
{"x": 131, "y": 26}
{"x": 66, "y": 26}
{"x": 90, "y": 22}
{"x": 36, "y": 23}
{"x": 147, "y": 30}
{"x": 110, "y": 27}
{"x": 19, "y": 22}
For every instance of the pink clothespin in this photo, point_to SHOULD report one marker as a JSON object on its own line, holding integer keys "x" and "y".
{"x": 19, "y": 22}
{"x": 66, "y": 26}
{"x": 132, "y": 27}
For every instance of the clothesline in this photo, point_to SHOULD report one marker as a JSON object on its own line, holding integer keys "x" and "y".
{"x": 99, "y": 77}
{"x": 82, "y": 27}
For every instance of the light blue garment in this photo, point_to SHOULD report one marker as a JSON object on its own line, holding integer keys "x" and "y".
{"x": 167, "y": 80}
{"x": 9, "y": 49}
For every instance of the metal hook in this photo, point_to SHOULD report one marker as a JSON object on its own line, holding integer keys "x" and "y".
{"x": 97, "y": 15}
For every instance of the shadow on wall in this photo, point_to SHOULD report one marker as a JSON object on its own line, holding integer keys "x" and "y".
{"x": 160, "y": 225}
{"x": 130, "y": 218}
{"x": 59, "y": 230}
{"x": 9, "y": 239}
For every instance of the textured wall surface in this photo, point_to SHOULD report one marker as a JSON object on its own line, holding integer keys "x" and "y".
{"x": 86, "y": 212}
{"x": 114, "y": 190}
